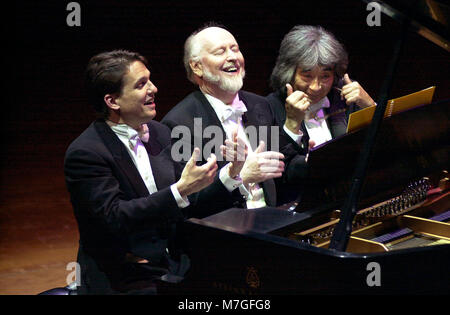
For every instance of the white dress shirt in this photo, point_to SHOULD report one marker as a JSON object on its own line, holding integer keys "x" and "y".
{"x": 231, "y": 118}
{"x": 315, "y": 123}
{"x": 132, "y": 140}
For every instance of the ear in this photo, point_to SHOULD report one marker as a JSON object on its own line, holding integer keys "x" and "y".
{"x": 196, "y": 67}
{"x": 110, "y": 101}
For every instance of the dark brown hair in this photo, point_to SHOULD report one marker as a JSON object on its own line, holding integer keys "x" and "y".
{"x": 104, "y": 75}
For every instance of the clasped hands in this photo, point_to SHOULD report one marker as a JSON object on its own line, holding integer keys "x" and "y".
{"x": 253, "y": 167}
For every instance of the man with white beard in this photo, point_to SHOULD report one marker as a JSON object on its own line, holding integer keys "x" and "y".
{"x": 221, "y": 110}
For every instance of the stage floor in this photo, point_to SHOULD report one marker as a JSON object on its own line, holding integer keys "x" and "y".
{"x": 38, "y": 232}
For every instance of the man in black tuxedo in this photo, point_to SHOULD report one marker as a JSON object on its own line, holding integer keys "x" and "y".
{"x": 220, "y": 109}
{"x": 126, "y": 190}
{"x": 313, "y": 95}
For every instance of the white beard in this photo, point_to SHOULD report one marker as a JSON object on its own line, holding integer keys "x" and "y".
{"x": 228, "y": 84}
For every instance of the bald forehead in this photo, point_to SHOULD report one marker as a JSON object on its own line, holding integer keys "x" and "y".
{"x": 213, "y": 36}
{"x": 214, "y": 30}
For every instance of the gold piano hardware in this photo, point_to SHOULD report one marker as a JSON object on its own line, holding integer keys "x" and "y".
{"x": 426, "y": 226}
{"x": 360, "y": 245}
{"x": 428, "y": 232}
{"x": 413, "y": 197}
{"x": 444, "y": 183}
{"x": 389, "y": 216}
{"x": 252, "y": 278}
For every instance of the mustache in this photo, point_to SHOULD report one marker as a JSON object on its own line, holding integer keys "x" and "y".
{"x": 236, "y": 64}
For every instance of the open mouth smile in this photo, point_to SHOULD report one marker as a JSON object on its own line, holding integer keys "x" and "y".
{"x": 231, "y": 69}
{"x": 150, "y": 102}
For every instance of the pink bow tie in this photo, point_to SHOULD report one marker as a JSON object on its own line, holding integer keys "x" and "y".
{"x": 236, "y": 109}
{"x": 141, "y": 133}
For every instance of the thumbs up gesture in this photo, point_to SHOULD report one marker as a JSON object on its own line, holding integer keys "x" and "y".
{"x": 353, "y": 92}
{"x": 296, "y": 105}
{"x": 262, "y": 165}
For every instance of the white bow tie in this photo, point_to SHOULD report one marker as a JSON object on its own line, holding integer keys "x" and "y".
{"x": 134, "y": 135}
{"x": 235, "y": 110}
{"x": 314, "y": 113}
{"x": 131, "y": 134}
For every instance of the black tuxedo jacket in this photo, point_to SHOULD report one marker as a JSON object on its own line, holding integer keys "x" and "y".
{"x": 296, "y": 175}
{"x": 258, "y": 114}
{"x": 117, "y": 218}
{"x": 336, "y": 123}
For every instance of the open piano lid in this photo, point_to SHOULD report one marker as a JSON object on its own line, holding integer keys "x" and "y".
{"x": 407, "y": 146}
{"x": 411, "y": 14}
{"x": 429, "y": 18}
{"x": 240, "y": 239}
{"x": 410, "y": 145}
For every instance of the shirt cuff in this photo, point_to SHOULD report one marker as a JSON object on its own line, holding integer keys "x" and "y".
{"x": 244, "y": 192}
{"x": 181, "y": 202}
{"x": 229, "y": 183}
{"x": 296, "y": 137}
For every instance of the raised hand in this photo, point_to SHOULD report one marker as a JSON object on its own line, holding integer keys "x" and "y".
{"x": 296, "y": 105}
{"x": 194, "y": 178}
{"x": 353, "y": 92}
{"x": 262, "y": 165}
{"x": 234, "y": 151}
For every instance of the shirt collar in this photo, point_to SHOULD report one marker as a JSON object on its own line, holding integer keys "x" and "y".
{"x": 130, "y": 133}
{"x": 224, "y": 111}
{"x": 315, "y": 110}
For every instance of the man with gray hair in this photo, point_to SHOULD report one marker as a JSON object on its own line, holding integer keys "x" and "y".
{"x": 313, "y": 95}
{"x": 214, "y": 63}
{"x": 312, "y": 88}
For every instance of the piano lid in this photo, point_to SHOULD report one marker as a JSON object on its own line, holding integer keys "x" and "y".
{"x": 429, "y": 18}
{"x": 410, "y": 145}
{"x": 410, "y": 14}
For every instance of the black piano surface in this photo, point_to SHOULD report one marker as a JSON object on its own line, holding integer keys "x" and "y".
{"x": 228, "y": 260}
{"x": 243, "y": 251}
{"x": 409, "y": 146}
{"x": 249, "y": 251}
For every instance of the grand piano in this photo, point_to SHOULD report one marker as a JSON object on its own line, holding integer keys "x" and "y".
{"x": 373, "y": 219}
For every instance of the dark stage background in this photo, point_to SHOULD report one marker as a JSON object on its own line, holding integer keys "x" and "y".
{"x": 44, "y": 105}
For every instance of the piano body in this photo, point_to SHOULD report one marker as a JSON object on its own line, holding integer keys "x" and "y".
{"x": 399, "y": 242}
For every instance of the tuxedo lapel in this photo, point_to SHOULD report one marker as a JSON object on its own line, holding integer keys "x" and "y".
{"x": 121, "y": 157}
{"x": 258, "y": 114}
{"x": 255, "y": 117}
{"x": 206, "y": 112}
{"x": 208, "y": 116}
{"x": 160, "y": 161}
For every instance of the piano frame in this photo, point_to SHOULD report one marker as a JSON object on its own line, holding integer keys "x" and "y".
{"x": 252, "y": 251}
